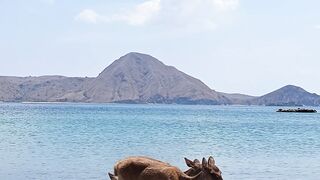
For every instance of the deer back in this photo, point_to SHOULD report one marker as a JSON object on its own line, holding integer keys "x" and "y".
{"x": 131, "y": 168}
{"x": 144, "y": 168}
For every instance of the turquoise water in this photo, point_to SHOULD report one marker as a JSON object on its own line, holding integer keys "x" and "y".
{"x": 83, "y": 141}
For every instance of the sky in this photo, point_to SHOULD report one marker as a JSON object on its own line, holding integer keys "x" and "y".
{"x": 236, "y": 46}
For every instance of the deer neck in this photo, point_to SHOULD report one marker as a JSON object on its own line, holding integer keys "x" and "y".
{"x": 186, "y": 177}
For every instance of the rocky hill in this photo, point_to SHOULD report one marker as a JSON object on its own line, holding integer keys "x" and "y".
{"x": 42, "y": 89}
{"x": 239, "y": 99}
{"x": 134, "y": 78}
{"x": 139, "y": 78}
{"x": 288, "y": 96}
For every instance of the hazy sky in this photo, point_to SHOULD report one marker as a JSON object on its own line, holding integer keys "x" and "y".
{"x": 246, "y": 46}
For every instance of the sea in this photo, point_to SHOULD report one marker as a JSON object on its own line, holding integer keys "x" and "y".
{"x": 70, "y": 141}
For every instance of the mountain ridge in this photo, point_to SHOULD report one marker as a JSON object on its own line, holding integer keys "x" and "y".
{"x": 139, "y": 78}
{"x": 288, "y": 95}
{"x": 133, "y": 78}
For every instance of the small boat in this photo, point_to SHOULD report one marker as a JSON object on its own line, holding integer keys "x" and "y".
{"x": 299, "y": 110}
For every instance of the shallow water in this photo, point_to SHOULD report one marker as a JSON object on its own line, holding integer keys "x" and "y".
{"x": 83, "y": 141}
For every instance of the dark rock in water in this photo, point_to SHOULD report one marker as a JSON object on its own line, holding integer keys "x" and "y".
{"x": 298, "y": 110}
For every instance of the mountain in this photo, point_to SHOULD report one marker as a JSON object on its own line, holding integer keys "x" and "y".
{"x": 141, "y": 78}
{"x": 238, "y": 99}
{"x": 43, "y": 88}
{"x": 288, "y": 96}
{"x": 134, "y": 78}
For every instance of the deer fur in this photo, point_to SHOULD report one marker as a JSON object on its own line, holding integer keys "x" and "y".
{"x": 144, "y": 168}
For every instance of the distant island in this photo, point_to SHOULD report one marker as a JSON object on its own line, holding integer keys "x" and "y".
{"x": 140, "y": 78}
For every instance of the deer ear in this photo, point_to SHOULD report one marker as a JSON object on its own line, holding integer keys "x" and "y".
{"x": 189, "y": 162}
{"x": 196, "y": 161}
{"x": 204, "y": 163}
{"x": 215, "y": 171}
{"x": 211, "y": 162}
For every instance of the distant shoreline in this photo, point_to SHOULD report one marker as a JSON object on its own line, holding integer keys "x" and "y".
{"x": 116, "y": 103}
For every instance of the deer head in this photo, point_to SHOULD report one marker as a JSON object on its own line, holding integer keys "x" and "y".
{"x": 210, "y": 170}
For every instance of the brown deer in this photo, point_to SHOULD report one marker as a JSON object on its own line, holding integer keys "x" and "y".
{"x": 143, "y": 168}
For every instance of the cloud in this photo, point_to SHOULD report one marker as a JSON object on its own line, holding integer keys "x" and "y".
{"x": 139, "y": 15}
{"x": 88, "y": 16}
{"x": 174, "y": 13}
{"x": 225, "y": 5}
{"x": 196, "y": 15}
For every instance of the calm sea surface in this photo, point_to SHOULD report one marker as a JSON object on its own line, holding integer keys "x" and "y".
{"x": 83, "y": 141}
